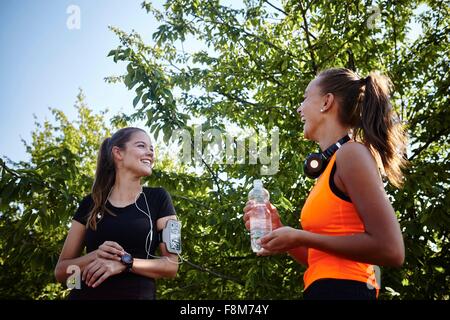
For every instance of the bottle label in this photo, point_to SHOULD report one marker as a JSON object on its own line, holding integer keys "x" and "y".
{"x": 255, "y": 235}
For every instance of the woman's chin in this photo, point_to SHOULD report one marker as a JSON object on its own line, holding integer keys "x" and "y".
{"x": 146, "y": 172}
{"x": 305, "y": 133}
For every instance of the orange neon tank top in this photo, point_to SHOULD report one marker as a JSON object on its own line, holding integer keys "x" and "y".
{"x": 326, "y": 213}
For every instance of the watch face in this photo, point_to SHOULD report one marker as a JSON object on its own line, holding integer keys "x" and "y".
{"x": 127, "y": 259}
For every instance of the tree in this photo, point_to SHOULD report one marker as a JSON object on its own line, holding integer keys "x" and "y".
{"x": 39, "y": 197}
{"x": 247, "y": 72}
{"x": 251, "y": 71}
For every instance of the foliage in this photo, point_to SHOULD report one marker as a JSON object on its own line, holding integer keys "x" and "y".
{"x": 39, "y": 197}
{"x": 246, "y": 68}
{"x": 249, "y": 68}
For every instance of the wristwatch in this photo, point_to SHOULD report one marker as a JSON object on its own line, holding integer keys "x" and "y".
{"x": 127, "y": 260}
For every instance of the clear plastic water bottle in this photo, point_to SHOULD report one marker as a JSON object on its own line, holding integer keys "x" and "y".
{"x": 260, "y": 220}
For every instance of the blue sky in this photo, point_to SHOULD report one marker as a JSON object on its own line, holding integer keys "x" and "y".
{"x": 43, "y": 62}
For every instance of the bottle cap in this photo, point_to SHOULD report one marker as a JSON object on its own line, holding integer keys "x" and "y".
{"x": 257, "y": 184}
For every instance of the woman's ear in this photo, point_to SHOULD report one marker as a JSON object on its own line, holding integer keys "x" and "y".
{"x": 328, "y": 102}
{"x": 117, "y": 153}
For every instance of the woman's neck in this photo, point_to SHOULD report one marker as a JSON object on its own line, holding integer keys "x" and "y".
{"x": 125, "y": 189}
{"x": 331, "y": 139}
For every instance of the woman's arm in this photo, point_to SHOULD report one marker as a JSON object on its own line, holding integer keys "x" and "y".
{"x": 108, "y": 252}
{"x": 70, "y": 254}
{"x": 381, "y": 243}
{"x": 165, "y": 267}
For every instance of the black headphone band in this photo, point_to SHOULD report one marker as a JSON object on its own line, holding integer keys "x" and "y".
{"x": 334, "y": 147}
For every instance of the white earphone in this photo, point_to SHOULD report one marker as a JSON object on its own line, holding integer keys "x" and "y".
{"x": 149, "y": 238}
{"x": 148, "y": 243}
{"x": 148, "y": 214}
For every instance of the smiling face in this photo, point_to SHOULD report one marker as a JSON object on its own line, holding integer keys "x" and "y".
{"x": 309, "y": 110}
{"x": 137, "y": 156}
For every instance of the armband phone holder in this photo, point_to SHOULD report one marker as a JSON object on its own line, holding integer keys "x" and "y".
{"x": 171, "y": 236}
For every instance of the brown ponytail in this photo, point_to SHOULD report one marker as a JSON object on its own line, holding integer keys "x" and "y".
{"x": 364, "y": 106}
{"x": 105, "y": 174}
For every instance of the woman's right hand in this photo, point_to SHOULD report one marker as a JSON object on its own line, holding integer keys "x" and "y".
{"x": 276, "y": 222}
{"x": 110, "y": 250}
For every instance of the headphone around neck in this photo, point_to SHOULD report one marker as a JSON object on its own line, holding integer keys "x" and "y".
{"x": 316, "y": 163}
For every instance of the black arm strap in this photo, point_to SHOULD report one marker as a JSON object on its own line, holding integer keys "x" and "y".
{"x": 159, "y": 237}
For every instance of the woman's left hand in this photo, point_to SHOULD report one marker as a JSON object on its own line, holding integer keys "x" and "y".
{"x": 101, "y": 269}
{"x": 279, "y": 241}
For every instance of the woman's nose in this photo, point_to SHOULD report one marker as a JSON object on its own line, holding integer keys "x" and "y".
{"x": 299, "y": 109}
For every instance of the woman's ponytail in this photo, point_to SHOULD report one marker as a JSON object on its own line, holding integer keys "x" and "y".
{"x": 104, "y": 180}
{"x": 381, "y": 129}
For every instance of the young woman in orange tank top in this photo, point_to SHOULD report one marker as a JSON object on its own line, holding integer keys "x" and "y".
{"x": 347, "y": 224}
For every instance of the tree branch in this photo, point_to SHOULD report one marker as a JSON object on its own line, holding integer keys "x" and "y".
{"x": 308, "y": 40}
{"x": 10, "y": 171}
{"x": 213, "y": 175}
{"x": 268, "y": 77}
{"x": 234, "y": 98}
{"x": 191, "y": 200}
{"x": 334, "y": 53}
{"x": 234, "y": 28}
{"x": 428, "y": 142}
{"x": 217, "y": 274}
{"x": 276, "y": 8}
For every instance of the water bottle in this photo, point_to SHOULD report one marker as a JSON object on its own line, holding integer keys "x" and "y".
{"x": 260, "y": 219}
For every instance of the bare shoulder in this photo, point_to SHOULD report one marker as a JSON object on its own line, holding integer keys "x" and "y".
{"x": 355, "y": 156}
{"x": 353, "y": 151}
